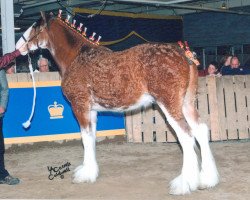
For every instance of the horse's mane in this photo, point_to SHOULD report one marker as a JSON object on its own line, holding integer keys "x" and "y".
{"x": 72, "y": 33}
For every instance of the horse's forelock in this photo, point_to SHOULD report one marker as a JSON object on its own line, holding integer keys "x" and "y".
{"x": 41, "y": 22}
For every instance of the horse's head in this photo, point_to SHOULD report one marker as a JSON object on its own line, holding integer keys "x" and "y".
{"x": 36, "y": 36}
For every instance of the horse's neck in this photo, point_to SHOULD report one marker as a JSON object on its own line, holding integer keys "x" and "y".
{"x": 65, "y": 45}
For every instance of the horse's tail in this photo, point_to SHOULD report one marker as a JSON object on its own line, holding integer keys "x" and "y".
{"x": 189, "y": 105}
{"x": 191, "y": 93}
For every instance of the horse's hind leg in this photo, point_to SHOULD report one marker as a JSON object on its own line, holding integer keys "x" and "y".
{"x": 88, "y": 171}
{"x": 208, "y": 175}
{"x": 188, "y": 180}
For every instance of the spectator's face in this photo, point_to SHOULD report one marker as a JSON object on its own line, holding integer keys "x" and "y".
{"x": 211, "y": 69}
{"x": 43, "y": 66}
{"x": 235, "y": 63}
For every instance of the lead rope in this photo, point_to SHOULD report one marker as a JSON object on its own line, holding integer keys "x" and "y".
{"x": 28, "y": 122}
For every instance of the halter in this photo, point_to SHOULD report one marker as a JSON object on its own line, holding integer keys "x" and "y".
{"x": 36, "y": 35}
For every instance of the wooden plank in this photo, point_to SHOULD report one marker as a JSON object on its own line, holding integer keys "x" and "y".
{"x": 129, "y": 126}
{"x": 43, "y": 76}
{"x": 221, "y": 108}
{"x": 231, "y": 114}
{"x": 213, "y": 106}
{"x": 56, "y": 76}
{"x": 36, "y": 77}
{"x": 48, "y": 76}
{"x": 202, "y": 101}
{"x": 137, "y": 126}
{"x": 11, "y": 77}
{"x": 147, "y": 117}
{"x": 160, "y": 126}
{"x": 171, "y": 135}
{"x": 23, "y": 77}
{"x": 241, "y": 108}
{"x": 247, "y": 94}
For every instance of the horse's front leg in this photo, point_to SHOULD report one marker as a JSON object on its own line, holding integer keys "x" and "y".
{"x": 88, "y": 171}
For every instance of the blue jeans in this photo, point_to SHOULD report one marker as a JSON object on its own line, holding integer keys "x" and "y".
{"x": 3, "y": 171}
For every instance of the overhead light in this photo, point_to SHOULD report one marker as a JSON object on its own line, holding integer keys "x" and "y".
{"x": 15, "y": 28}
{"x": 224, "y": 5}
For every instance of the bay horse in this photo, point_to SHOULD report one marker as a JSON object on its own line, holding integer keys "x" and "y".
{"x": 94, "y": 78}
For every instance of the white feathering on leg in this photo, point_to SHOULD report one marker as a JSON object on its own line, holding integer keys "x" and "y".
{"x": 188, "y": 180}
{"x": 88, "y": 172}
{"x": 209, "y": 176}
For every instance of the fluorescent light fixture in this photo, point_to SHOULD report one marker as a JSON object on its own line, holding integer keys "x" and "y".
{"x": 15, "y": 28}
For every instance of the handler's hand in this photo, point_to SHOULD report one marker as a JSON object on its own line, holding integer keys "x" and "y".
{"x": 2, "y": 110}
{"x": 23, "y": 48}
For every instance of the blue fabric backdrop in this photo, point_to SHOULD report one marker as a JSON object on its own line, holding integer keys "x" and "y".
{"x": 19, "y": 108}
{"x": 116, "y": 27}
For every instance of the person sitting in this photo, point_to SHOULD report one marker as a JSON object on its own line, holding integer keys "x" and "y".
{"x": 211, "y": 70}
{"x": 234, "y": 68}
{"x": 225, "y": 61}
{"x": 43, "y": 65}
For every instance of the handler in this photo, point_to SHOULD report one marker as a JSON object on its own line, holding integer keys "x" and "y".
{"x": 5, "y": 177}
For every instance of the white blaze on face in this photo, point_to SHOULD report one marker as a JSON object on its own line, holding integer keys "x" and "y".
{"x": 21, "y": 41}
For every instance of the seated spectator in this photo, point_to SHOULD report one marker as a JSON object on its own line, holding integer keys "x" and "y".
{"x": 43, "y": 65}
{"x": 234, "y": 68}
{"x": 211, "y": 70}
{"x": 225, "y": 61}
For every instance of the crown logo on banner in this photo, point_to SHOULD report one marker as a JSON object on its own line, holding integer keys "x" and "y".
{"x": 56, "y": 110}
{"x": 79, "y": 29}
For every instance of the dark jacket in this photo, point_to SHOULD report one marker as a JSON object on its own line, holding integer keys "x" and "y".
{"x": 227, "y": 70}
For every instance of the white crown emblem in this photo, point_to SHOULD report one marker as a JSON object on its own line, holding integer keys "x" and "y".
{"x": 56, "y": 111}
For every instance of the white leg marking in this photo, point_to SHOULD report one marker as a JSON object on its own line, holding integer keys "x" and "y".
{"x": 88, "y": 172}
{"x": 209, "y": 176}
{"x": 188, "y": 180}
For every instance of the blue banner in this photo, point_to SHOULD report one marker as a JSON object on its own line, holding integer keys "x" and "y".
{"x": 53, "y": 114}
{"x": 113, "y": 26}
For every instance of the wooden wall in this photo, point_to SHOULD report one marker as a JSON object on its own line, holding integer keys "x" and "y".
{"x": 223, "y": 104}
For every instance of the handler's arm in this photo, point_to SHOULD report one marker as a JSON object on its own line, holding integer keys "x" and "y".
{"x": 7, "y": 58}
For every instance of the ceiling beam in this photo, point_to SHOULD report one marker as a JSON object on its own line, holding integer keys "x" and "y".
{"x": 152, "y": 2}
{"x": 33, "y": 9}
{"x": 173, "y": 4}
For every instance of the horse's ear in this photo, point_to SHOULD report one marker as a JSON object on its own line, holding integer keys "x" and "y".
{"x": 43, "y": 16}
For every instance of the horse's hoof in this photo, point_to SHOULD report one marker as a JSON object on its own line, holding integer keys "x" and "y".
{"x": 178, "y": 186}
{"x": 182, "y": 186}
{"x": 208, "y": 180}
{"x": 85, "y": 173}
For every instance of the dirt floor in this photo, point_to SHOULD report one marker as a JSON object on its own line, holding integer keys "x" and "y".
{"x": 127, "y": 171}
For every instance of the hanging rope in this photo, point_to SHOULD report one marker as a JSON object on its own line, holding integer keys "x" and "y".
{"x": 28, "y": 122}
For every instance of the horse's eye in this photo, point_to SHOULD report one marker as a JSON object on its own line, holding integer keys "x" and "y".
{"x": 34, "y": 25}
